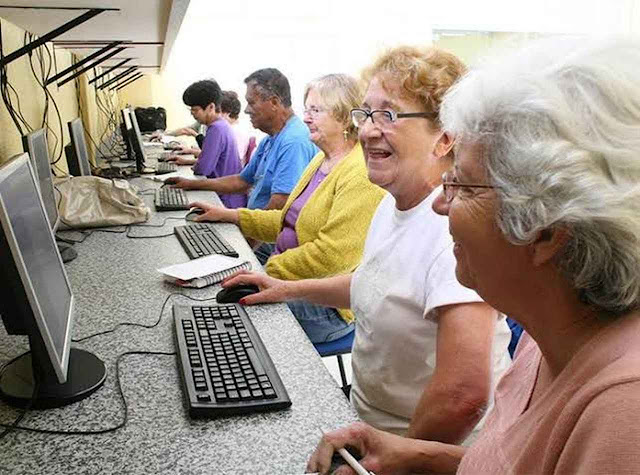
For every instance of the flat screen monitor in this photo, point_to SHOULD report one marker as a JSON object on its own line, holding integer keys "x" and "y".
{"x": 138, "y": 147}
{"x": 78, "y": 162}
{"x": 127, "y": 129}
{"x": 36, "y": 300}
{"x": 35, "y": 144}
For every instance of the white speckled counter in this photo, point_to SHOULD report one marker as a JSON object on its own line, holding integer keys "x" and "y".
{"x": 114, "y": 280}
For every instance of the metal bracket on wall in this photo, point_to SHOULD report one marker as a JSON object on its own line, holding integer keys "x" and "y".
{"x": 84, "y": 61}
{"x": 92, "y": 65}
{"x": 107, "y": 71}
{"x": 114, "y": 79}
{"x": 54, "y": 33}
{"x": 128, "y": 81}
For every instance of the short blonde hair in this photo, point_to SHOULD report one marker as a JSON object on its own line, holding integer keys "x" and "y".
{"x": 425, "y": 73}
{"x": 339, "y": 94}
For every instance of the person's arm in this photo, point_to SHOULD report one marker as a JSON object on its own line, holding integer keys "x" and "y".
{"x": 277, "y": 201}
{"x": 331, "y": 292}
{"x": 225, "y": 184}
{"x": 215, "y": 213}
{"x": 182, "y": 131}
{"x": 456, "y": 396}
{"x": 384, "y": 453}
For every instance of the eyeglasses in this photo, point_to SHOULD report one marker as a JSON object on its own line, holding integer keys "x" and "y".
{"x": 382, "y": 117}
{"x": 313, "y": 111}
{"x": 451, "y": 185}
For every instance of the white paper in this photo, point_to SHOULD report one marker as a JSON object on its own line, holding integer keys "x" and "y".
{"x": 201, "y": 267}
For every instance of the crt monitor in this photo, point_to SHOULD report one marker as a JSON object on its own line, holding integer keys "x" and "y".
{"x": 138, "y": 147}
{"x": 36, "y": 300}
{"x": 77, "y": 153}
{"x": 35, "y": 144}
{"x": 126, "y": 130}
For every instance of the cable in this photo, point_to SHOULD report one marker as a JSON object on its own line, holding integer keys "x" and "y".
{"x": 14, "y": 425}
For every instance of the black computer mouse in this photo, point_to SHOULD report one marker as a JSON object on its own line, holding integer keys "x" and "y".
{"x": 195, "y": 212}
{"x": 233, "y": 294}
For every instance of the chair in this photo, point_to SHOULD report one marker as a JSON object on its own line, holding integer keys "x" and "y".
{"x": 338, "y": 347}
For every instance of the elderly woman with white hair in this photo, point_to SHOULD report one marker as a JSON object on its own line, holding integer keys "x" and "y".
{"x": 544, "y": 210}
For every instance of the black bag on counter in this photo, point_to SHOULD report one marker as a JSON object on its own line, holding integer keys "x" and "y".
{"x": 151, "y": 119}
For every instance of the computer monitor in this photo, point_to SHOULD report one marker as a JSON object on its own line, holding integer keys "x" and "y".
{"x": 77, "y": 154}
{"x": 138, "y": 147}
{"x": 36, "y": 300}
{"x": 127, "y": 129}
{"x": 35, "y": 144}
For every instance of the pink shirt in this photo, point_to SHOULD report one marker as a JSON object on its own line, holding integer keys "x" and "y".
{"x": 587, "y": 421}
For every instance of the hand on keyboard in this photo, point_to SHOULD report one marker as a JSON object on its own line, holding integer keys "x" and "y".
{"x": 271, "y": 289}
{"x": 215, "y": 213}
{"x": 177, "y": 182}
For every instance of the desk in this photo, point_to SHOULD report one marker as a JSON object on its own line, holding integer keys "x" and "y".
{"x": 114, "y": 280}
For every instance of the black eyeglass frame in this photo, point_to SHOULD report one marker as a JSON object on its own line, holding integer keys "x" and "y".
{"x": 449, "y": 187}
{"x": 392, "y": 115}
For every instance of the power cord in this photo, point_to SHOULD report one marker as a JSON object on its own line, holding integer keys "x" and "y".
{"x": 14, "y": 425}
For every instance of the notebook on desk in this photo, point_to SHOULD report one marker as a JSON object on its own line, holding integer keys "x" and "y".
{"x": 204, "y": 271}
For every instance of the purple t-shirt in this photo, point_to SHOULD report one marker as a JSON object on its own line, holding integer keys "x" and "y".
{"x": 219, "y": 157}
{"x": 288, "y": 237}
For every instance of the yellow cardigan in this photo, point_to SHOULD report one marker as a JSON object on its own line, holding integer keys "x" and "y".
{"x": 331, "y": 227}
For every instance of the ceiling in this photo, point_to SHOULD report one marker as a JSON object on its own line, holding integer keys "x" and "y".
{"x": 147, "y": 28}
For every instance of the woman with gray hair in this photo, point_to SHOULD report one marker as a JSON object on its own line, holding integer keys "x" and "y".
{"x": 544, "y": 210}
{"x": 320, "y": 231}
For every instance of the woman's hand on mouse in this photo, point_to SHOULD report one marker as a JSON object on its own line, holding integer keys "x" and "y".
{"x": 215, "y": 213}
{"x": 271, "y": 289}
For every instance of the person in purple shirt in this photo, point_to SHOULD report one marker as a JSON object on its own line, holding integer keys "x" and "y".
{"x": 219, "y": 156}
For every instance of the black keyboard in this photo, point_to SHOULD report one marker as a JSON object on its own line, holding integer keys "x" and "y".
{"x": 171, "y": 199}
{"x": 200, "y": 239}
{"x": 162, "y": 168}
{"x": 224, "y": 365}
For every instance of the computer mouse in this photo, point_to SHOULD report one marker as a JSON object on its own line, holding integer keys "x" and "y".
{"x": 233, "y": 294}
{"x": 191, "y": 215}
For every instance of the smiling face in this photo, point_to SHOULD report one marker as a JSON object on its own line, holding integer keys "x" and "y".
{"x": 323, "y": 127}
{"x": 485, "y": 260}
{"x": 397, "y": 154}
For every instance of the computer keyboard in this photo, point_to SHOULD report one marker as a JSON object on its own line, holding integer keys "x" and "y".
{"x": 171, "y": 199}
{"x": 224, "y": 365}
{"x": 200, "y": 239}
{"x": 162, "y": 168}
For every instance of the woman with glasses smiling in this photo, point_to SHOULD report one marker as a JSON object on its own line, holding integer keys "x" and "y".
{"x": 424, "y": 358}
{"x": 544, "y": 209}
{"x": 320, "y": 231}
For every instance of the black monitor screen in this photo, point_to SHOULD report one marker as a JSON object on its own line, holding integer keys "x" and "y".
{"x": 40, "y": 293}
{"x": 76, "y": 131}
{"x": 35, "y": 144}
{"x": 138, "y": 146}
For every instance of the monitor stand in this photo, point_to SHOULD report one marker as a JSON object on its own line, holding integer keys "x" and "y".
{"x": 86, "y": 373}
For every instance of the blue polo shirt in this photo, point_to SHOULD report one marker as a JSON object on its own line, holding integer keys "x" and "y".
{"x": 278, "y": 163}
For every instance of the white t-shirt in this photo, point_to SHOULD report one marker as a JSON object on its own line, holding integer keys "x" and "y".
{"x": 407, "y": 271}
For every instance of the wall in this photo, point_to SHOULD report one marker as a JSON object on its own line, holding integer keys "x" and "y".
{"x": 229, "y": 40}
{"x": 71, "y": 102}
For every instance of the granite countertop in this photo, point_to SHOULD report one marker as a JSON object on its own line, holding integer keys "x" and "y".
{"x": 114, "y": 280}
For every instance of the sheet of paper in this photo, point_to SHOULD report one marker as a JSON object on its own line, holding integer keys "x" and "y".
{"x": 200, "y": 267}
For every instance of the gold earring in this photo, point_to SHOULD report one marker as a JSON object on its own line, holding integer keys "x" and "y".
{"x": 345, "y": 134}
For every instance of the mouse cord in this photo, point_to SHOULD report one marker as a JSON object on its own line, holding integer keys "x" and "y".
{"x": 15, "y": 424}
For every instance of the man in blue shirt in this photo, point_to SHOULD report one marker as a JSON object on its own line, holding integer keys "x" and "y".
{"x": 277, "y": 164}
